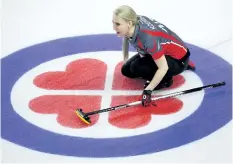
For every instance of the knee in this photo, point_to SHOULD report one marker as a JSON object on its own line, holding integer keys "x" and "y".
{"x": 126, "y": 71}
{"x": 135, "y": 68}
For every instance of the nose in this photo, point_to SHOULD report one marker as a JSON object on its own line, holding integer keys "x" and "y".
{"x": 114, "y": 28}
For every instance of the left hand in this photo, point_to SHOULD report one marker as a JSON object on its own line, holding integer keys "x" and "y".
{"x": 146, "y": 98}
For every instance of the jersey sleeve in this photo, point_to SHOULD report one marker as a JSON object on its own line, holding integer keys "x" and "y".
{"x": 153, "y": 47}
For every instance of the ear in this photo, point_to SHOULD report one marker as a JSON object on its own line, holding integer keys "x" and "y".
{"x": 130, "y": 23}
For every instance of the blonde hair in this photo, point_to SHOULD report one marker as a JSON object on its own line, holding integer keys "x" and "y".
{"x": 128, "y": 14}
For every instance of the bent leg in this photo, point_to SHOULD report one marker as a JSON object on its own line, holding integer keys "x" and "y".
{"x": 144, "y": 67}
{"x": 125, "y": 69}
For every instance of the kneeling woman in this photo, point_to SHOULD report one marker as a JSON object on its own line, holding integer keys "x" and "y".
{"x": 161, "y": 53}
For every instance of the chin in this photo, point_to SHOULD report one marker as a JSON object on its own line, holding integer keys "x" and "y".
{"x": 118, "y": 35}
{"x": 121, "y": 35}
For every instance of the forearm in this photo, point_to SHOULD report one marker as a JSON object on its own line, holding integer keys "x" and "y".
{"x": 159, "y": 75}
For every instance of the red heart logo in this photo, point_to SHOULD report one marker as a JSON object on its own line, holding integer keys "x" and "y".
{"x": 80, "y": 74}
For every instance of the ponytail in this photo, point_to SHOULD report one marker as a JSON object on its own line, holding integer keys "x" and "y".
{"x": 125, "y": 48}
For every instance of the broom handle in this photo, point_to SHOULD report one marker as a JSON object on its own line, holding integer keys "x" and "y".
{"x": 157, "y": 98}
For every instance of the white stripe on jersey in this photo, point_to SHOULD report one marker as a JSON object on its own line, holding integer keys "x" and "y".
{"x": 175, "y": 44}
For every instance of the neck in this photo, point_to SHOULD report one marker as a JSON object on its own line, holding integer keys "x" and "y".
{"x": 131, "y": 31}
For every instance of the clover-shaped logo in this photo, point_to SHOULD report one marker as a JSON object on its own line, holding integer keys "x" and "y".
{"x": 87, "y": 77}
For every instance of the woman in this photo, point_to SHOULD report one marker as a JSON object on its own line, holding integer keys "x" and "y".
{"x": 161, "y": 53}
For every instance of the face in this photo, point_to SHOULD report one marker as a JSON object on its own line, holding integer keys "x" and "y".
{"x": 120, "y": 26}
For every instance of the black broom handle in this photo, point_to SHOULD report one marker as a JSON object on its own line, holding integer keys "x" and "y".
{"x": 157, "y": 98}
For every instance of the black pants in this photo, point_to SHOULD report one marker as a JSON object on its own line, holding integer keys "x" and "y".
{"x": 145, "y": 67}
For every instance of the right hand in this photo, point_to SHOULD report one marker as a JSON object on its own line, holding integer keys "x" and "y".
{"x": 146, "y": 98}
